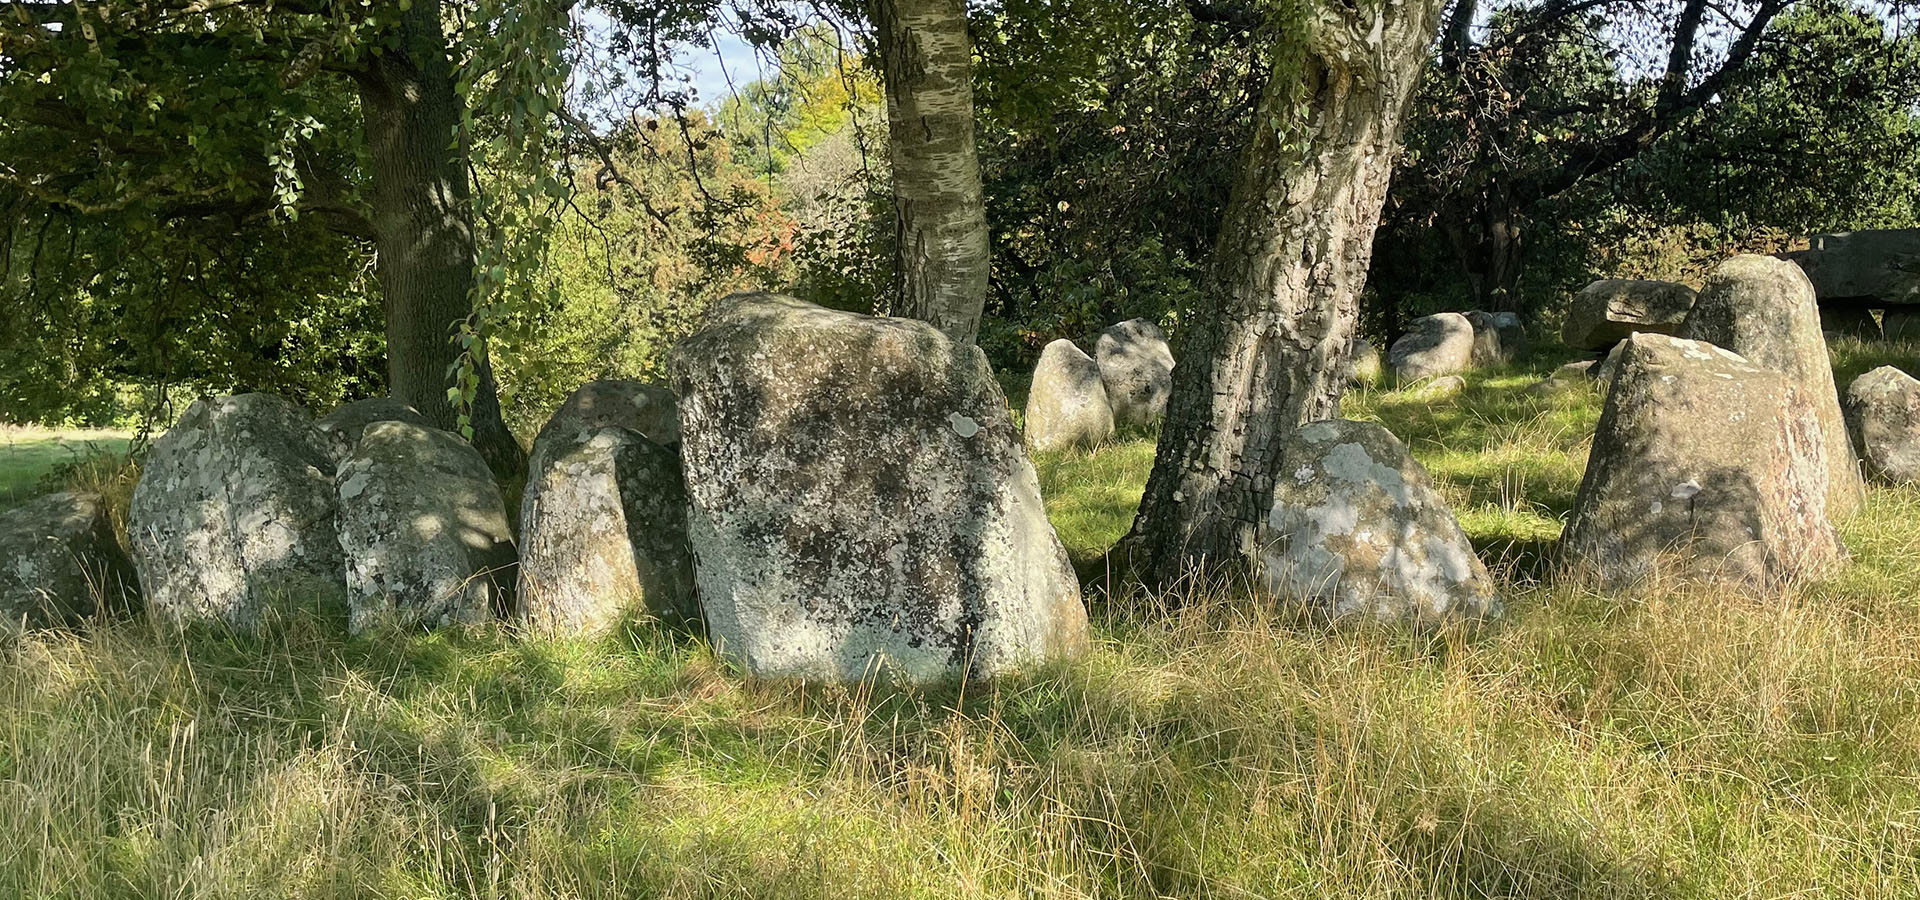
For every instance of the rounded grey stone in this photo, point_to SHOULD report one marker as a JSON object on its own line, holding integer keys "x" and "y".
{"x": 1883, "y": 415}
{"x": 1067, "y": 406}
{"x": 1436, "y": 345}
{"x": 1136, "y": 367}
{"x": 60, "y": 562}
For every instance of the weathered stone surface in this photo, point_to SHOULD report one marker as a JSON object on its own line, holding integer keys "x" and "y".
{"x": 1864, "y": 268}
{"x": 1901, "y": 324}
{"x": 1579, "y": 374}
{"x": 1358, "y": 529}
{"x": 1606, "y": 311}
{"x": 342, "y": 427}
{"x": 860, "y": 499}
{"x": 1363, "y": 363}
{"x": 1763, "y": 309}
{"x": 1440, "y": 344}
{"x": 1705, "y": 466}
{"x": 1067, "y": 406}
{"x": 649, "y": 410}
{"x": 1498, "y": 338}
{"x": 234, "y": 514}
{"x": 603, "y": 523}
{"x": 1136, "y": 366}
{"x": 424, "y": 531}
{"x": 1883, "y": 414}
{"x": 1851, "y": 322}
{"x": 60, "y": 562}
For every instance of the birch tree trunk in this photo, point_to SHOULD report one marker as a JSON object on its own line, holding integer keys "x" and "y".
{"x": 423, "y": 229}
{"x": 926, "y": 61}
{"x": 1282, "y": 297}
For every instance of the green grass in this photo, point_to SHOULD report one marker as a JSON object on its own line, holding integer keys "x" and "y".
{"x": 1666, "y": 745}
{"x": 29, "y": 454}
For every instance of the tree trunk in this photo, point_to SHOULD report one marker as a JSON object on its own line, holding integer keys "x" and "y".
{"x": 942, "y": 215}
{"x": 423, "y": 229}
{"x": 1284, "y": 283}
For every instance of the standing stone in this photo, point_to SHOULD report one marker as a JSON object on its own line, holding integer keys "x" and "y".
{"x": 1363, "y": 363}
{"x": 1762, "y": 308}
{"x": 60, "y": 562}
{"x": 1136, "y": 366}
{"x": 1851, "y": 322}
{"x": 1704, "y": 465}
{"x": 1358, "y": 529}
{"x": 860, "y": 499}
{"x": 1067, "y": 406}
{"x": 342, "y": 427}
{"x": 1440, "y": 344}
{"x": 1883, "y": 413}
{"x": 1606, "y": 311}
{"x": 603, "y": 523}
{"x": 234, "y": 514}
{"x": 424, "y": 531}
{"x": 1498, "y": 338}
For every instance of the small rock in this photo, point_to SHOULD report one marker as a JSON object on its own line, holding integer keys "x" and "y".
{"x": 1498, "y": 338}
{"x": 1441, "y": 388}
{"x": 1607, "y": 311}
{"x": 424, "y": 531}
{"x": 1136, "y": 366}
{"x": 1363, "y": 363}
{"x": 1436, "y": 345}
{"x": 1067, "y": 407}
{"x": 60, "y": 562}
{"x": 1358, "y": 529}
{"x": 1883, "y": 414}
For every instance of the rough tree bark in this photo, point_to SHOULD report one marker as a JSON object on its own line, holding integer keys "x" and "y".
{"x": 926, "y": 61}
{"x": 423, "y": 229}
{"x": 1283, "y": 291}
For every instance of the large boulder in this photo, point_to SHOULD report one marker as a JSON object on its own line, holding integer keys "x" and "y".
{"x": 1762, "y": 308}
{"x": 860, "y": 500}
{"x": 1440, "y": 344}
{"x": 60, "y": 562}
{"x": 1705, "y": 466}
{"x": 342, "y": 427}
{"x": 1498, "y": 338}
{"x": 1067, "y": 406}
{"x": 1883, "y": 413}
{"x": 1358, "y": 529}
{"x": 603, "y": 522}
{"x": 1863, "y": 268}
{"x": 424, "y": 531}
{"x": 234, "y": 514}
{"x": 1136, "y": 366}
{"x": 1606, "y": 311}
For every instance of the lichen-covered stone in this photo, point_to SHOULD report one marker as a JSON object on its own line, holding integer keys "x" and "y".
{"x": 60, "y": 562}
{"x": 424, "y": 531}
{"x": 1705, "y": 466}
{"x": 1136, "y": 365}
{"x": 860, "y": 499}
{"x": 1763, "y": 309}
{"x": 649, "y": 410}
{"x": 1358, "y": 529}
{"x": 1436, "y": 345}
{"x": 1067, "y": 406}
{"x": 1605, "y": 312}
{"x": 1363, "y": 363}
{"x": 1498, "y": 338}
{"x": 234, "y": 514}
{"x": 603, "y": 523}
{"x": 1883, "y": 413}
{"x": 342, "y": 427}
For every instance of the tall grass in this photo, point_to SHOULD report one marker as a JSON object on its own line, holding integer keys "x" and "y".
{"x": 1670, "y": 744}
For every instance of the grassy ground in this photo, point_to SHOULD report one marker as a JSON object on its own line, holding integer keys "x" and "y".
{"x": 1664, "y": 745}
{"x": 28, "y": 454}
